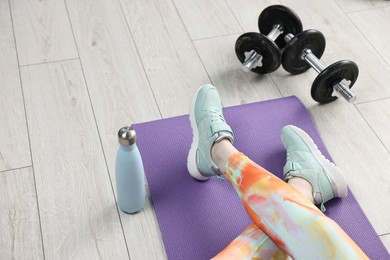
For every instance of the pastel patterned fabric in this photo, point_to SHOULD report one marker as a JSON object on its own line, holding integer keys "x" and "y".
{"x": 291, "y": 221}
{"x": 252, "y": 244}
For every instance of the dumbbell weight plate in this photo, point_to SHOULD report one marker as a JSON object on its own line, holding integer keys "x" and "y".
{"x": 279, "y": 14}
{"x": 272, "y": 57}
{"x": 322, "y": 87}
{"x": 292, "y": 54}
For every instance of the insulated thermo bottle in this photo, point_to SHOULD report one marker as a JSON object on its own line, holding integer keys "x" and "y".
{"x": 129, "y": 172}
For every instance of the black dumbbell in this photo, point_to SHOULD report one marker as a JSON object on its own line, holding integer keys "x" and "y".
{"x": 303, "y": 51}
{"x": 260, "y": 52}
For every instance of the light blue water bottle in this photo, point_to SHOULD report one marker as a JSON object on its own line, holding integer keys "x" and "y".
{"x": 129, "y": 172}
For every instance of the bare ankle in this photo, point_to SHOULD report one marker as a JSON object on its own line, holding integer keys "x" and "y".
{"x": 221, "y": 152}
{"x": 302, "y": 186}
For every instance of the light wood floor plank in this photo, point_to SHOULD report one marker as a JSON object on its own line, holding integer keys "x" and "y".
{"x": 377, "y": 115}
{"x": 42, "y": 31}
{"x": 205, "y": 19}
{"x": 143, "y": 236}
{"x": 79, "y": 217}
{"x": 224, "y": 68}
{"x": 20, "y": 234}
{"x": 358, "y": 5}
{"x": 114, "y": 73}
{"x": 346, "y": 42}
{"x": 386, "y": 241}
{"x": 170, "y": 59}
{"x": 375, "y": 25}
{"x": 14, "y": 145}
{"x": 120, "y": 95}
{"x": 247, "y": 12}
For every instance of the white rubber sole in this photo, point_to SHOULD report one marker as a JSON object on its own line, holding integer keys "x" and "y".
{"x": 335, "y": 176}
{"x": 191, "y": 159}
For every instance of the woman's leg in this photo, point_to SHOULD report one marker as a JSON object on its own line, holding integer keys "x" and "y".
{"x": 252, "y": 243}
{"x": 283, "y": 213}
{"x": 290, "y": 219}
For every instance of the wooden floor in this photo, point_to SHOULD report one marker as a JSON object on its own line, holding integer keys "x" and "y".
{"x": 72, "y": 72}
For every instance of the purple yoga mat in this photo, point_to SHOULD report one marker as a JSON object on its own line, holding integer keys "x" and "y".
{"x": 198, "y": 219}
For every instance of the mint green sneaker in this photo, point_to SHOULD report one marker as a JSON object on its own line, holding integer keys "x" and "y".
{"x": 305, "y": 160}
{"x": 209, "y": 127}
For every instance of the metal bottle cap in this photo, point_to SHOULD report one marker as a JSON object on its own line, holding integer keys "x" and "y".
{"x": 126, "y": 136}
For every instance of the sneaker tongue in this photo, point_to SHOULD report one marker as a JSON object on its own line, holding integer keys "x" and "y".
{"x": 214, "y": 109}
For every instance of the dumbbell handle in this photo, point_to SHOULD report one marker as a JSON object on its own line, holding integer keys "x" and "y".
{"x": 275, "y": 32}
{"x": 314, "y": 62}
{"x": 253, "y": 58}
{"x": 318, "y": 66}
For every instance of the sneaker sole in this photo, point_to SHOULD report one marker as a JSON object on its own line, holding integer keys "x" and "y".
{"x": 191, "y": 159}
{"x": 334, "y": 175}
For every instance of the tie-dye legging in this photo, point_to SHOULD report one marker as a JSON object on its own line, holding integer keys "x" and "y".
{"x": 285, "y": 222}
